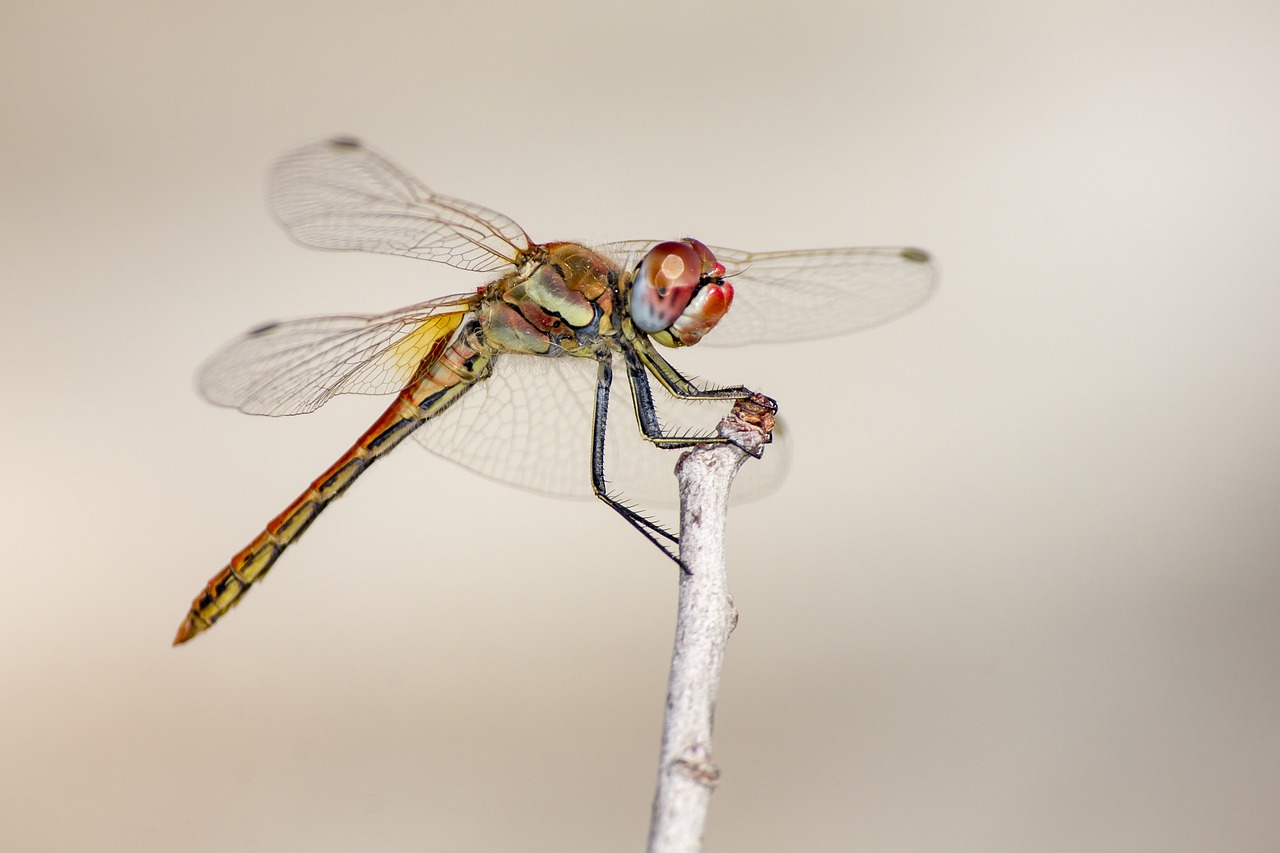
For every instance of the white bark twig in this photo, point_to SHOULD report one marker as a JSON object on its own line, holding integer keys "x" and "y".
{"x": 686, "y": 774}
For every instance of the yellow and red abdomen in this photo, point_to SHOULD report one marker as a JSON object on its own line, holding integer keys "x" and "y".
{"x": 444, "y": 374}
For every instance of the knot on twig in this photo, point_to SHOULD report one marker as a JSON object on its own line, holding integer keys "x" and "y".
{"x": 749, "y": 423}
{"x": 695, "y": 762}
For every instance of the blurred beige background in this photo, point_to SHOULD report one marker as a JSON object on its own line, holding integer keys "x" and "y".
{"x": 1019, "y": 593}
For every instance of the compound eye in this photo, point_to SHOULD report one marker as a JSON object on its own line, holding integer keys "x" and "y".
{"x": 664, "y": 283}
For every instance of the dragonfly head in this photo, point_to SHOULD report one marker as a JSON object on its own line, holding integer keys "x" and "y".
{"x": 678, "y": 293}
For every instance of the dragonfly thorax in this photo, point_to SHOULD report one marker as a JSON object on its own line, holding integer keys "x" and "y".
{"x": 559, "y": 303}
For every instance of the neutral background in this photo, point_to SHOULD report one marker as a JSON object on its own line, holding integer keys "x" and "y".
{"x": 1019, "y": 593}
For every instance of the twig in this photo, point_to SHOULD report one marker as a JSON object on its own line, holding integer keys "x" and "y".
{"x": 686, "y": 774}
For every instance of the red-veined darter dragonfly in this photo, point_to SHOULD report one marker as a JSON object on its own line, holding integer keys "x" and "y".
{"x": 514, "y": 379}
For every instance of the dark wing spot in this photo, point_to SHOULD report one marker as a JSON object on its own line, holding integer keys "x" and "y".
{"x": 920, "y": 256}
{"x": 263, "y": 329}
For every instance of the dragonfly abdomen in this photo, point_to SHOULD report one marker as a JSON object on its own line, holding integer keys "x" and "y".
{"x": 443, "y": 378}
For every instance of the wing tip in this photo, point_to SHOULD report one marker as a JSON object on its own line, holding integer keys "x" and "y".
{"x": 344, "y": 141}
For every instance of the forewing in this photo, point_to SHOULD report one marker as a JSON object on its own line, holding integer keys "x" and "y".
{"x": 295, "y": 366}
{"x": 338, "y": 194}
{"x": 814, "y": 293}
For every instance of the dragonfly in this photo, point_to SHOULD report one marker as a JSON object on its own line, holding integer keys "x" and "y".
{"x": 515, "y": 378}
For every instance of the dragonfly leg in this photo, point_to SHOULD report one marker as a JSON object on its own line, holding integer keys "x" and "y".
{"x": 666, "y": 541}
{"x": 673, "y": 381}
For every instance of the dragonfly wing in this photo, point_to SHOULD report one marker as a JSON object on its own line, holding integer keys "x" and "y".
{"x": 338, "y": 194}
{"x": 295, "y": 366}
{"x": 789, "y": 296}
{"x": 815, "y": 293}
{"x": 530, "y": 425}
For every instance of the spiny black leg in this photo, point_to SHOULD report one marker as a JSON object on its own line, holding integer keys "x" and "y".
{"x": 651, "y": 530}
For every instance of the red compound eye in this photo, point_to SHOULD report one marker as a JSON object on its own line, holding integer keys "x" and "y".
{"x": 665, "y": 282}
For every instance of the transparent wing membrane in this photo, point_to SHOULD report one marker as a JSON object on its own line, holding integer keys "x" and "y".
{"x": 338, "y": 194}
{"x": 296, "y": 366}
{"x": 530, "y": 425}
